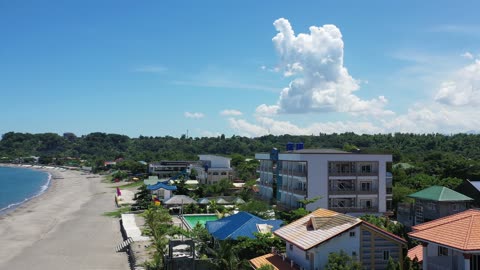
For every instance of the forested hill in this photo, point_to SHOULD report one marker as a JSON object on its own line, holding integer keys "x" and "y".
{"x": 404, "y": 147}
{"x": 410, "y": 148}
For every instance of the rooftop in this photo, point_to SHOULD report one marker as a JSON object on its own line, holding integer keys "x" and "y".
{"x": 316, "y": 227}
{"x": 439, "y": 194}
{"x": 416, "y": 252}
{"x": 321, "y": 226}
{"x": 475, "y": 184}
{"x": 271, "y": 259}
{"x": 240, "y": 224}
{"x": 460, "y": 231}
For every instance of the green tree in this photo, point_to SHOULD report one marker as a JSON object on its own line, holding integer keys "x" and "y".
{"x": 341, "y": 261}
{"x": 257, "y": 208}
{"x": 225, "y": 256}
{"x": 249, "y": 248}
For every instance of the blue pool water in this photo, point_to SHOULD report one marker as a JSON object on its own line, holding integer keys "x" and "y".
{"x": 18, "y": 185}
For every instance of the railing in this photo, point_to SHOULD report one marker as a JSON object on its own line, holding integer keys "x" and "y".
{"x": 266, "y": 184}
{"x": 354, "y": 209}
{"x": 354, "y": 173}
{"x": 293, "y": 172}
{"x": 293, "y": 190}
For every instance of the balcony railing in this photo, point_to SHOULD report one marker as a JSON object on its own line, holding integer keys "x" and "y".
{"x": 352, "y": 190}
{"x": 293, "y": 190}
{"x": 266, "y": 184}
{"x": 293, "y": 172}
{"x": 354, "y": 173}
{"x": 354, "y": 209}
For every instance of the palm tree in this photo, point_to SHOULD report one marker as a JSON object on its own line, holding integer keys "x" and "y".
{"x": 225, "y": 256}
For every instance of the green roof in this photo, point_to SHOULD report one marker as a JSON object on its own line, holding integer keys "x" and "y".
{"x": 440, "y": 194}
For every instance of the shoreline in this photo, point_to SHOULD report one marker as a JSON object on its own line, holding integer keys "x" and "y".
{"x": 63, "y": 227}
{"x": 43, "y": 189}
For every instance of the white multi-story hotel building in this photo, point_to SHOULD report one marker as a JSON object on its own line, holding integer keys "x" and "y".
{"x": 346, "y": 182}
{"x": 211, "y": 169}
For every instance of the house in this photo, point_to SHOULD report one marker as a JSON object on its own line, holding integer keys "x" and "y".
{"x": 161, "y": 189}
{"x": 451, "y": 242}
{"x": 471, "y": 189}
{"x": 432, "y": 203}
{"x": 211, "y": 169}
{"x": 310, "y": 239}
{"x": 240, "y": 224}
{"x": 345, "y": 182}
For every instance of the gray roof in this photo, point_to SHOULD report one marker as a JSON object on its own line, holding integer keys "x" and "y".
{"x": 179, "y": 200}
{"x": 476, "y": 184}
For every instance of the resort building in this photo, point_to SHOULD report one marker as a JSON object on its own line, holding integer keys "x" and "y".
{"x": 240, "y": 224}
{"x": 452, "y": 242}
{"x": 345, "y": 182}
{"x": 165, "y": 169}
{"x": 211, "y": 169}
{"x": 310, "y": 239}
{"x": 432, "y": 203}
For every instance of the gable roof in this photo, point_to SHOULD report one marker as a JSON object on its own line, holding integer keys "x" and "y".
{"x": 322, "y": 225}
{"x": 303, "y": 234}
{"x": 460, "y": 231}
{"x": 439, "y": 194}
{"x": 240, "y": 224}
{"x": 180, "y": 200}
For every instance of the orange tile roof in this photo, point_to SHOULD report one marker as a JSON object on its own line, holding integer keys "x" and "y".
{"x": 271, "y": 259}
{"x": 460, "y": 231}
{"x": 416, "y": 252}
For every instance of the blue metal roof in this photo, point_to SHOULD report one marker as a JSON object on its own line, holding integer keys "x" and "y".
{"x": 240, "y": 224}
{"x": 476, "y": 184}
{"x": 160, "y": 185}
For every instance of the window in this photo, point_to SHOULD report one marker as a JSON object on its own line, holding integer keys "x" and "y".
{"x": 386, "y": 255}
{"x": 223, "y": 173}
{"x": 307, "y": 256}
{"x": 366, "y": 168}
{"x": 455, "y": 207}
{"x": 354, "y": 255}
{"x": 291, "y": 247}
{"x": 366, "y": 186}
{"x": 352, "y": 234}
{"x": 215, "y": 173}
{"x": 431, "y": 206}
{"x": 442, "y": 251}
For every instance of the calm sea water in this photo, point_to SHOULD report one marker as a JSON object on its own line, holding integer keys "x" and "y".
{"x": 18, "y": 185}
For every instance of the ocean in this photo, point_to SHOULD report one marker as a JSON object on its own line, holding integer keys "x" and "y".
{"x": 18, "y": 185}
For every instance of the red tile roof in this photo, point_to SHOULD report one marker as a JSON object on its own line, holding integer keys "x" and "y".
{"x": 271, "y": 259}
{"x": 460, "y": 231}
{"x": 416, "y": 252}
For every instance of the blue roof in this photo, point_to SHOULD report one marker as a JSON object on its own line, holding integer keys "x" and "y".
{"x": 160, "y": 185}
{"x": 240, "y": 224}
{"x": 476, "y": 184}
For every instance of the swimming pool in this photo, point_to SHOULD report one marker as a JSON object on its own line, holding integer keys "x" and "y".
{"x": 191, "y": 220}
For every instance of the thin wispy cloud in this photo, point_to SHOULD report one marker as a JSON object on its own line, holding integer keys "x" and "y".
{"x": 465, "y": 29}
{"x": 150, "y": 69}
{"x": 226, "y": 84}
{"x": 231, "y": 113}
{"x": 194, "y": 115}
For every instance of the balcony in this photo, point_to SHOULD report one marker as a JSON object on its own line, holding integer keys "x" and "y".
{"x": 293, "y": 172}
{"x": 341, "y": 190}
{"x": 297, "y": 191}
{"x": 266, "y": 184}
{"x": 351, "y": 173}
{"x": 354, "y": 209}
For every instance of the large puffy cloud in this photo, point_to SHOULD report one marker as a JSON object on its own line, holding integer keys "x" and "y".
{"x": 322, "y": 83}
{"x": 463, "y": 88}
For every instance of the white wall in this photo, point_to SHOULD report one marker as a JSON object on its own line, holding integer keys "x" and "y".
{"x": 341, "y": 242}
{"x": 216, "y": 161}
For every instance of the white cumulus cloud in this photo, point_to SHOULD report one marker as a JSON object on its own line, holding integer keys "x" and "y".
{"x": 467, "y": 55}
{"x": 230, "y": 112}
{"x": 194, "y": 115}
{"x": 321, "y": 82}
{"x": 267, "y": 125}
{"x": 463, "y": 89}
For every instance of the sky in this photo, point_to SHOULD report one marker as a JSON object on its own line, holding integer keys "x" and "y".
{"x": 249, "y": 68}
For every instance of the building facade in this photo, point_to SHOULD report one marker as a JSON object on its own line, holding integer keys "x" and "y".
{"x": 345, "y": 182}
{"x": 211, "y": 169}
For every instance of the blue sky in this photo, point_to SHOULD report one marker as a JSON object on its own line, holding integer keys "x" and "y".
{"x": 248, "y": 68}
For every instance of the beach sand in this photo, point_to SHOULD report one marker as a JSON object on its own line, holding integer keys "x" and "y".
{"x": 64, "y": 228}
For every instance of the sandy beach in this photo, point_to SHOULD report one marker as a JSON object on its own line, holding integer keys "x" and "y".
{"x": 64, "y": 227}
